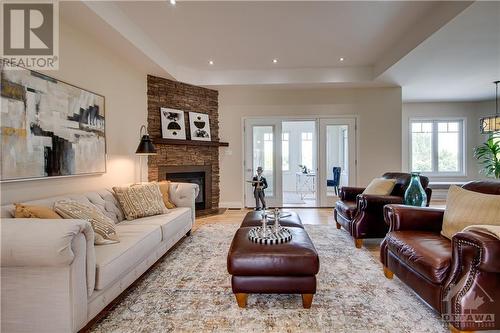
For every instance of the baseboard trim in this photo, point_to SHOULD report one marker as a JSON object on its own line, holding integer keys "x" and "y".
{"x": 231, "y": 204}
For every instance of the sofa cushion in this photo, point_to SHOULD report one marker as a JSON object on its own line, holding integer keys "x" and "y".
{"x": 115, "y": 260}
{"x": 465, "y": 208}
{"x": 103, "y": 199}
{"x": 170, "y": 223}
{"x": 140, "y": 200}
{"x": 380, "y": 186}
{"x": 428, "y": 253}
{"x": 348, "y": 209}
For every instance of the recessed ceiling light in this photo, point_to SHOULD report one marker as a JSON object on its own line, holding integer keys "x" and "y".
{"x": 211, "y": 62}
{"x": 275, "y": 61}
{"x": 172, "y": 2}
{"x": 341, "y": 59}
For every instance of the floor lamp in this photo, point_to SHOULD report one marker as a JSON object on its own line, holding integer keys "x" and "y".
{"x": 145, "y": 147}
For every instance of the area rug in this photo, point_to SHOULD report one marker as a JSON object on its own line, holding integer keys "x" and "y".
{"x": 190, "y": 291}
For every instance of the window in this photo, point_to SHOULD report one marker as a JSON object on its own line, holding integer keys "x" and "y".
{"x": 437, "y": 146}
{"x": 307, "y": 150}
{"x": 285, "y": 151}
{"x": 268, "y": 151}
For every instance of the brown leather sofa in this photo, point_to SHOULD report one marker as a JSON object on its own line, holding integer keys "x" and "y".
{"x": 459, "y": 278}
{"x": 362, "y": 215}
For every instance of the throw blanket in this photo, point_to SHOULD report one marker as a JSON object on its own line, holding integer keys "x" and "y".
{"x": 493, "y": 230}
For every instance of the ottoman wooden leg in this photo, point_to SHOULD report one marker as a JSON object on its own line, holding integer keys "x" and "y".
{"x": 307, "y": 300}
{"x": 388, "y": 274}
{"x": 241, "y": 298}
{"x": 338, "y": 225}
{"x": 358, "y": 242}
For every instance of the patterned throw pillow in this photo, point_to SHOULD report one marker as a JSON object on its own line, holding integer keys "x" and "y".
{"x": 104, "y": 228}
{"x": 140, "y": 200}
{"x": 164, "y": 188}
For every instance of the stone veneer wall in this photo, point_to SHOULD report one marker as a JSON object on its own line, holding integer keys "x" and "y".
{"x": 177, "y": 95}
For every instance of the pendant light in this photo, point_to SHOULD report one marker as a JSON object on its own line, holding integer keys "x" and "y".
{"x": 491, "y": 124}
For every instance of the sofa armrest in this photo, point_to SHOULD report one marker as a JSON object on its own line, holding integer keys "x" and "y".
{"x": 347, "y": 193}
{"x": 485, "y": 246}
{"x": 46, "y": 243}
{"x": 474, "y": 275}
{"x": 401, "y": 217}
{"x": 184, "y": 195}
{"x": 368, "y": 202}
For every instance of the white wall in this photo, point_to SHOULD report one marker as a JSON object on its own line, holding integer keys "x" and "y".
{"x": 471, "y": 112}
{"x": 379, "y": 127}
{"x": 87, "y": 64}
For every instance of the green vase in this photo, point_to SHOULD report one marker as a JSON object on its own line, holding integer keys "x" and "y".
{"x": 415, "y": 194}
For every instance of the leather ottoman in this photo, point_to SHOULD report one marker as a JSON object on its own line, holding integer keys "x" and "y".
{"x": 253, "y": 219}
{"x": 288, "y": 268}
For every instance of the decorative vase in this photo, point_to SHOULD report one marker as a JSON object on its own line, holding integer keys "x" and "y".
{"x": 415, "y": 194}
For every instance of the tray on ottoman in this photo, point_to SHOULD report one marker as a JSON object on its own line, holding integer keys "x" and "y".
{"x": 288, "y": 268}
{"x": 253, "y": 219}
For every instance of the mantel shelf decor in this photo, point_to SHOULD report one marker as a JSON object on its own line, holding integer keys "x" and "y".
{"x": 190, "y": 142}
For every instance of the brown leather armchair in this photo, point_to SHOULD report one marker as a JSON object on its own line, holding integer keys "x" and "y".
{"x": 362, "y": 215}
{"x": 459, "y": 278}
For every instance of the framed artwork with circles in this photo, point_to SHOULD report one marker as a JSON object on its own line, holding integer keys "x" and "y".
{"x": 199, "y": 125}
{"x": 172, "y": 124}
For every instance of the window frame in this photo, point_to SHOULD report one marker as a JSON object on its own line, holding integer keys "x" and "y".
{"x": 462, "y": 151}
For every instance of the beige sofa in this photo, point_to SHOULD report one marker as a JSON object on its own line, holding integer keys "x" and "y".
{"x": 53, "y": 278}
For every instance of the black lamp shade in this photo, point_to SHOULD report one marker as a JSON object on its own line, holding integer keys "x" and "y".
{"x": 146, "y": 146}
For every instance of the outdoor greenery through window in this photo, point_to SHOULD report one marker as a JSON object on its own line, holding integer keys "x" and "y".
{"x": 437, "y": 146}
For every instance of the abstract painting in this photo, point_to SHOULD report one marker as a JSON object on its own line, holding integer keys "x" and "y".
{"x": 49, "y": 128}
{"x": 200, "y": 126}
{"x": 172, "y": 124}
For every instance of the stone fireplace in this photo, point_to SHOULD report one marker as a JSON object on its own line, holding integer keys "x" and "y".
{"x": 185, "y": 160}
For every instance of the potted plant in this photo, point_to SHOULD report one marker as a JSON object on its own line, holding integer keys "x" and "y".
{"x": 488, "y": 155}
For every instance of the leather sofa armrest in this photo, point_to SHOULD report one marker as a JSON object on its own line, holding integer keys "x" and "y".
{"x": 401, "y": 217}
{"x": 368, "y": 202}
{"x": 486, "y": 247}
{"x": 347, "y": 193}
{"x": 428, "y": 192}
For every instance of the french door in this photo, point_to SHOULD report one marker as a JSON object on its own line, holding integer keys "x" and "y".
{"x": 263, "y": 142}
{"x": 263, "y": 149}
{"x": 337, "y": 149}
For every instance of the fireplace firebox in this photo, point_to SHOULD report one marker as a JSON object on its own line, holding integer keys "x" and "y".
{"x": 200, "y": 175}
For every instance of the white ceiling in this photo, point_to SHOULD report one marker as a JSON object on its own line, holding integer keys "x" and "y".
{"x": 457, "y": 63}
{"x": 383, "y": 43}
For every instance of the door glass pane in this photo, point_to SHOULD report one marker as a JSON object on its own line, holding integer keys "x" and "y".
{"x": 263, "y": 155}
{"x": 421, "y": 145}
{"x": 337, "y": 158}
{"x": 307, "y": 150}
{"x": 448, "y": 147}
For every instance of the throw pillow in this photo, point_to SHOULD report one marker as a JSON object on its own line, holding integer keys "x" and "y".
{"x": 465, "y": 208}
{"x": 104, "y": 228}
{"x": 140, "y": 200}
{"x": 34, "y": 211}
{"x": 164, "y": 187}
{"x": 380, "y": 186}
